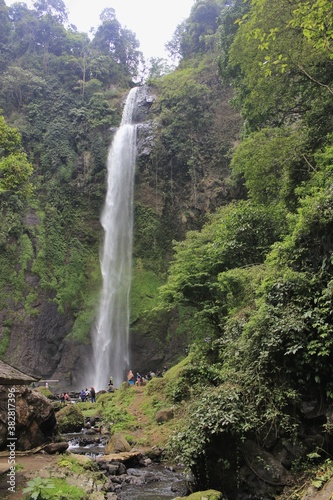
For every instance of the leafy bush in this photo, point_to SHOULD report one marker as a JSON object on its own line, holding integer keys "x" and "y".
{"x": 46, "y": 489}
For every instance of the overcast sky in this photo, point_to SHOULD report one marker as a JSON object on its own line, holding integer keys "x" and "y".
{"x": 153, "y": 21}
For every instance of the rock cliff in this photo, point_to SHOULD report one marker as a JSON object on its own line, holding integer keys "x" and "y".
{"x": 40, "y": 337}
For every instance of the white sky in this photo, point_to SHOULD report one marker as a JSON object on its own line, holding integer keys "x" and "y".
{"x": 153, "y": 21}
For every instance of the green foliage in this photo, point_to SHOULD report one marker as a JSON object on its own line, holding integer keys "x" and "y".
{"x": 10, "y": 139}
{"x": 144, "y": 289}
{"x": 4, "y": 342}
{"x": 38, "y": 488}
{"x": 74, "y": 465}
{"x": 252, "y": 290}
{"x": 274, "y": 58}
{"x": 62, "y": 261}
{"x": 240, "y": 287}
{"x": 192, "y": 325}
{"x": 323, "y": 474}
{"x": 148, "y": 235}
{"x": 45, "y": 391}
{"x": 114, "y": 406}
{"x": 195, "y": 34}
{"x": 85, "y": 316}
{"x": 56, "y": 93}
{"x": 44, "y": 489}
{"x": 268, "y": 159}
{"x": 239, "y": 235}
{"x": 314, "y": 18}
{"x": 15, "y": 169}
{"x": 26, "y": 257}
{"x": 158, "y": 67}
{"x": 192, "y": 143}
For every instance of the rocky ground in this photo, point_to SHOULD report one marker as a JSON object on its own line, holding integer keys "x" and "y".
{"x": 148, "y": 436}
{"x": 29, "y": 466}
{"x": 41, "y": 464}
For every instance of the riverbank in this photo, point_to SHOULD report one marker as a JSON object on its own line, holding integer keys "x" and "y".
{"x": 126, "y": 411}
{"x": 27, "y": 468}
{"x": 145, "y": 417}
{"x": 122, "y": 476}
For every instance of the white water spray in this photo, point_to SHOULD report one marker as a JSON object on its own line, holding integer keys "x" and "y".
{"x": 110, "y": 336}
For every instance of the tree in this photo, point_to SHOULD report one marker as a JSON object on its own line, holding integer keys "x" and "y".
{"x": 15, "y": 169}
{"x": 197, "y": 33}
{"x": 272, "y": 58}
{"x": 24, "y": 23}
{"x": 313, "y": 17}
{"x": 238, "y": 235}
{"x": 55, "y": 8}
{"x": 9, "y": 138}
{"x": 269, "y": 160}
{"x": 111, "y": 39}
{"x": 20, "y": 85}
{"x": 173, "y": 45}
{"x": 158, "y": 67}
{"x": 4, "y": 34}
{"x": 227, "y": 29}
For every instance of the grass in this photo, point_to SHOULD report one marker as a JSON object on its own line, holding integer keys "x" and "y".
{"x": 132, "y": 410}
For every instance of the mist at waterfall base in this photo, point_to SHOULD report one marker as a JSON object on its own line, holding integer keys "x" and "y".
{"x": 110, "y": 335}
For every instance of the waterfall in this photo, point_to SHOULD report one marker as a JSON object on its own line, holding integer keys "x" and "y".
{"x": 111, "y": 332}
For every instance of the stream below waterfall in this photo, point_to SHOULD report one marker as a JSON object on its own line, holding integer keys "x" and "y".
{"x": 153, "y": 481}
{"x": 156, "y": 484}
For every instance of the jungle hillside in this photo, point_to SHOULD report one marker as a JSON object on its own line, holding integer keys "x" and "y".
{"x": 232, "y": 258}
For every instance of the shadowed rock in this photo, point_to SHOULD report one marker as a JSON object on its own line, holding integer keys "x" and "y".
{"x": 35, "y": 421}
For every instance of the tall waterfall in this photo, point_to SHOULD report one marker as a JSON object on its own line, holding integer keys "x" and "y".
{"x": 111, "y": 332}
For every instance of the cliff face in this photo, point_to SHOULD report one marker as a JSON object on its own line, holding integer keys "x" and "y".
{"x": 42, "y": 339}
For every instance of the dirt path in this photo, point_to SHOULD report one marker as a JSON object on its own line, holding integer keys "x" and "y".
{"x": 28, "y": 467}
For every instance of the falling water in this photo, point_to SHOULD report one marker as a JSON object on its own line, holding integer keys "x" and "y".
{"x": 110, "y": 336}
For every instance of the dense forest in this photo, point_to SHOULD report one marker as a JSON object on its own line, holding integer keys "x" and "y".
{"x": 232, "y": 258}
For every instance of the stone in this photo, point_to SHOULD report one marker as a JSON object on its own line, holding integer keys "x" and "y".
{"x": 128, "y": 459}
{"x": 53, "y": 448}
{"x": 117, "y": 444}
{"x": 180, "y": 488}
{"x": 164, "y": 415}
{"x": 35, "y": 421}
{"x": 204, "y": 495}
{"x": 265, "y": 465}
{"x": 70, "y": 419}
{"x": 324, "y": 493}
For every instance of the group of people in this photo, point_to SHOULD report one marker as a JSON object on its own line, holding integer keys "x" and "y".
{"x": 86, "y": 394}
{"x": 65, "y": 397}
{"x": 139, "y": 380}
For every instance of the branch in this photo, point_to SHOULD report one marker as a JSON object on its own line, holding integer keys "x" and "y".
{"x": 314, "y": 80}
{"x": 308, "y": 163}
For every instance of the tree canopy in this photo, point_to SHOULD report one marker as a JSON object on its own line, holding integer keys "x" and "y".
{"x": 234, "y": 211}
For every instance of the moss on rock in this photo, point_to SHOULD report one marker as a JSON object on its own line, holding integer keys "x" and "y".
{"x": 70, "y": 419}
{"x": 204, "y": 495}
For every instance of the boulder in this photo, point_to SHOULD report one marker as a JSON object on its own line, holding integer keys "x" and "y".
{"x": 53, "y": 448}
{"x": 204, "y": 495}
{"x": 35, "y": 421}
{"x": 264, "y": 465}
{"x": 164, "y": 415}
{"x": 70, "y": 419}
{"x": 117, "y": 444}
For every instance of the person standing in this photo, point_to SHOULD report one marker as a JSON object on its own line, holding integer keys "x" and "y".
{"x": 93, "y": 395}
{"x": 130, "y": 377}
